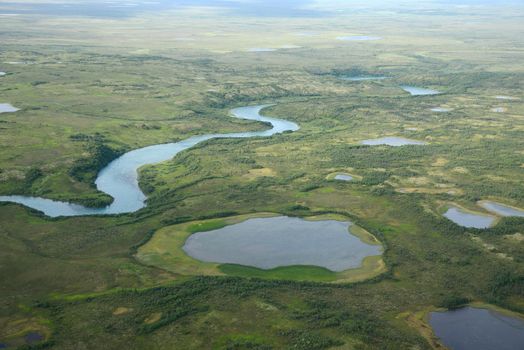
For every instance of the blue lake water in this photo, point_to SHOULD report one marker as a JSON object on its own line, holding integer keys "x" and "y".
{"x": 344, "y": 177}
{"x": 467, "y": 219}
{"x": 440, "y": 110}
{"x": 7, "y": 108}
{"x": 119, "y": 178}
{"x": 472, "y": 328}
{"x": 364, "y": 78}
{"x": 33, "y": 337}
{"x": 416, "y": 91}
{"x": 267, "y": 243}
{"x": 501, "y": 209}
{"x": 392, "y": 141}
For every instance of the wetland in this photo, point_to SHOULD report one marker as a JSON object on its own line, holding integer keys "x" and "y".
{"x": 102, "y": 87}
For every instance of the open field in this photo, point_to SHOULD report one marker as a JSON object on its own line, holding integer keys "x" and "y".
{"x": 91, "y": 88}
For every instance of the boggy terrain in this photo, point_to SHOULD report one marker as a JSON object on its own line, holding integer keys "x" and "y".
{"x": 89, "y": 89}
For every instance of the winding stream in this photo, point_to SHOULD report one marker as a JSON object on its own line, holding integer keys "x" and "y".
{"x": 119, "y": 179}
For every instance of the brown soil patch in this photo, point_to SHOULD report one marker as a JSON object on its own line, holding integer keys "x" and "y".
{"x": 153, "y": 318}
{"x": 254, "y": 173}
{"x": 121, "y": 311}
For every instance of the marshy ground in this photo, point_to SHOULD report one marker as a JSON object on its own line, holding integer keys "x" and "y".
{"x": 91, "y": 88}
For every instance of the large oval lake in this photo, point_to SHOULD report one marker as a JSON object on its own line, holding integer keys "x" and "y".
{"x": 267, "y": 243}
{"x": 478, "y": 329}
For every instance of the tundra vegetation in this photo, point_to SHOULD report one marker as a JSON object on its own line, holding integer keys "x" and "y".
{"x": 89, "y": 88}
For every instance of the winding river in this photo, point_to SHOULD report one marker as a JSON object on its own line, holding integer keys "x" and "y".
{"x": 119, "y": 179}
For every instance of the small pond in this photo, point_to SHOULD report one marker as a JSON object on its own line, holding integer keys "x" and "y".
{"x": 7, "y": 108}
{"x": 33, "y": 337}
{"x": 392, "y": 141}
{"x": 343, "y": 177}
{"x": 472, "y": 328}
{"x": 416, "y": 91}
{"x": 363, "y": 78}
{"x": 501, "y": 209}
{"x": 469, "y": 219}
{"x": 267, "y": 243}
{"x": 510, "y": 98}
{"x": 261, "y": 49}
{"x": 358, "y": 38}
{"x": 440, "y": 110}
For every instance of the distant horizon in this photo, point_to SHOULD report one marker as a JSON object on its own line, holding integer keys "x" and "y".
{"x": 256, "y": 8}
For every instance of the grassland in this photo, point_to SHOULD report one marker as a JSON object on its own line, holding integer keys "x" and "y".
{"x": 91, "y": 84}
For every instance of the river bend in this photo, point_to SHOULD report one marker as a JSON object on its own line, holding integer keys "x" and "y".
{"x": 119, "y": 179}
